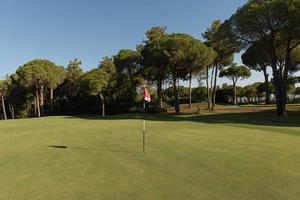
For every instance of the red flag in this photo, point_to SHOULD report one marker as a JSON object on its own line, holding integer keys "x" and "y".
{"x": 147, "y": 95}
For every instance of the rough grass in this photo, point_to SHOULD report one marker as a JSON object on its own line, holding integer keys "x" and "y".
{"x": 217, "y": 156}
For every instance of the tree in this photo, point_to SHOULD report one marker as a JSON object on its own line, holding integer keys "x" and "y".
{"x": 273, "y": 25}
{"x": 203, "y": 57}
{"x": 128, "y": 76}
{"x": 215, "y": 38}
{"x": 225, "y": 93}
{"x": 199, "y": 93}
{"x": 154, "y": 60}
{"x": 69, "y": 99}
{"x": 156, "y": 32}
{"x": 240, "y": 93}
{"x": 94, "y": 82}
{"x": 55, "y": 76}
{"x": 183, "y": 53}
{"x": 4, "y": 88}
{"x": 19, "y": 98}
{"x": 297, "y": 91}
{"x": 234, "y": 73}
{"x": 250, "y": 92}
{"x": 107, "y": 65}
{"x": 258, "y": 59}
{"x": 34, "y": 75}
{"x": 71, "y": 85}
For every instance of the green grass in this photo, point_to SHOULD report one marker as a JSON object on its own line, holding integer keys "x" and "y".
{"x": 222, "y": 156}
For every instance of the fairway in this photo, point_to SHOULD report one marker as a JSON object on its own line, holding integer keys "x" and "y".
{"x": 214, "y": 156}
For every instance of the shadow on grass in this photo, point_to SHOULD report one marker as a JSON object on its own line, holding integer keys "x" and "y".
{"x": 265, "y": 118}
{"x": 58, "y": 146}
{"x": 91, "y": 149}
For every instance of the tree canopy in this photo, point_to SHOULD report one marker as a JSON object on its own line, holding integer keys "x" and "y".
{"x": 267, "y": 32}
{"x": 275, "y": 26}
{"x": 185, "y": 55}
{"x": 234, "y": 73}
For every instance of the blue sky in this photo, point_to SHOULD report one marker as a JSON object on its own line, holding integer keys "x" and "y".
{"x": 61, "y": 30}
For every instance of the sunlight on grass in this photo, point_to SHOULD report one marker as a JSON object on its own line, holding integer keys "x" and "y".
{"x": 188, "y": 157}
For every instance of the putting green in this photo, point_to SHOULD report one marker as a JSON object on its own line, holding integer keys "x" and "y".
{"x": 225, "y": 156}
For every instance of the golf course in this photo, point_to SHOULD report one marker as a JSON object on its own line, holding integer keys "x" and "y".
{"x": 150, "y": 100}
{"x": 228, "y": 155}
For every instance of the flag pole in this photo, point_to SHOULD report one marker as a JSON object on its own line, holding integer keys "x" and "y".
{"x": 148, "y": 99}
{"x": 144, "y": 127}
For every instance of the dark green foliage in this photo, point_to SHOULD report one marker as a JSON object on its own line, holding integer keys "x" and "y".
{"x": 71, "y": 85}
{"x": 154, "y": 60}
{"x": 257, "y": 58}
{"x": 94, "y": 81}
{"x": 224, "y": 48}
{"x": 250, "y": 92}
{"x": 19, "y": 99}
{"x": 235, "y": 72}
{"x": 40, "y": 77}
{"x": 198, "y": 95}
{"x": 128, "y": 78}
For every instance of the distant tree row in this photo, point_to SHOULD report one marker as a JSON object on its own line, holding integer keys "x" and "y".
{"x": 40, "y": 87}
{"x": 254, "y": 94}
{"x": 230, "y": 94}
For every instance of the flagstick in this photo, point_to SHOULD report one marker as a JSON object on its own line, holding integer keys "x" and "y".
{"x": 144, "y": 127}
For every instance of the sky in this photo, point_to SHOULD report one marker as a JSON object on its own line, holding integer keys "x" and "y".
{"x": 61, "y": 30}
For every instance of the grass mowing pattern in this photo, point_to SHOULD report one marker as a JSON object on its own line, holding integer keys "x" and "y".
{"x": 224, "y": 156}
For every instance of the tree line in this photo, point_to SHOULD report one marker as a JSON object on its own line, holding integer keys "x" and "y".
{"x": 226, "y": 94}
{"x": 266, "y": 32}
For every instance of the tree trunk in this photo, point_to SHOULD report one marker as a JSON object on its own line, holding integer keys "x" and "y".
{"x": 12, "y": 111}
{"x": 35, "y": 107}
{"x": 190, "y": 91}
{"x": 51, "y": 99}
{"x": 267, "y": 89}
{"x": 280, "y": 81}
{"x": 37, "y": 102}
{"x": 280, "y": 92}
{"x": 215, "y": 89}
{"x": 208, "y": 90}
{"x": 102, "y": 104}
{"x": 211, "y": 86}
{"x": 42, "y": 100}
{"x": 178, "y": 91}
{"x": 159, "y": 95}
{"x": 175, "y": 92}
{"x": 3, "y": 107}
{"x": 281, "y": 97}
{"x": 234, "y": 94}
